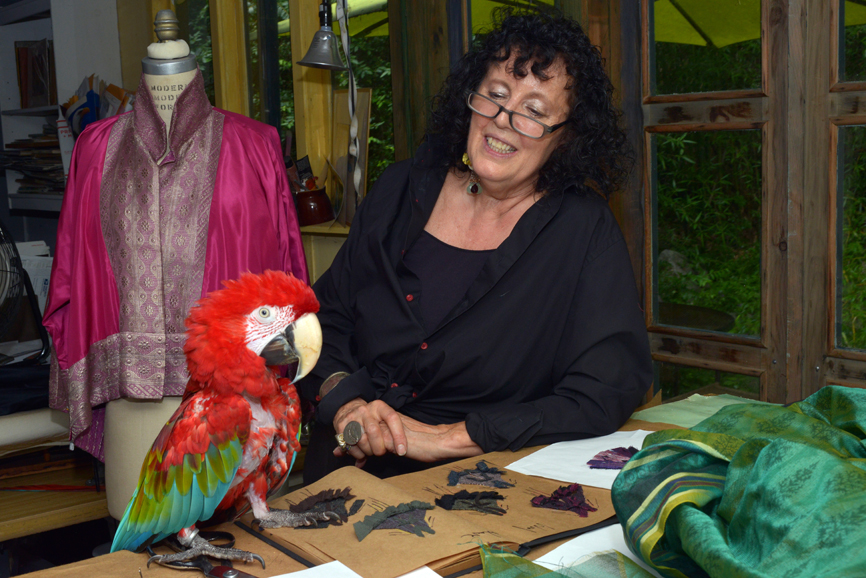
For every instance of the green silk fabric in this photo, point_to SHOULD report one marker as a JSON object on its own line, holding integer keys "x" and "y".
{"x": 608, "y": 564}
{"x": 753, "y": 491}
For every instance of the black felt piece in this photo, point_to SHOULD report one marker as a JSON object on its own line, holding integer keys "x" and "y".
{"x": 410, "y": 524}
{"x": 482, "y": 475}
{"x": 328, "y": 501}
{"x": 412, "y": 521}
{"x": 479, "y": 501}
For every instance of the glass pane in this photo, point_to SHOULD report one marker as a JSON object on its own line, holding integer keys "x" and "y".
{"x": 852, "y": 56}
{"x": 707, "y": 266}
{"x": 260, "y": 80}
{"x": 194, "y": 18}
{"x": 678, "y": 380}
{"x": 851, "y": 249}
{"x": 702, "y": 46}
{"x": 371, "y": 64}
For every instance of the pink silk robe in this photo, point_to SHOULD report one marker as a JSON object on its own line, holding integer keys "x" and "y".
{"x": 139, "y": 241}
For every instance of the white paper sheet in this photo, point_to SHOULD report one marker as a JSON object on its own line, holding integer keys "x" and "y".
{"x": 609, "y": 538}
{"x": 337, "y": 569}
{"x": 422, "y": 572}
{"x": 566, "y": 461}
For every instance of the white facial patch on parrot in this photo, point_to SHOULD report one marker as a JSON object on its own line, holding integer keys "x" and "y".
{"x": 266, "y": 322}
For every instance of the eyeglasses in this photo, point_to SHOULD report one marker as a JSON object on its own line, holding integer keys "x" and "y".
{"x": 523, "y": 124}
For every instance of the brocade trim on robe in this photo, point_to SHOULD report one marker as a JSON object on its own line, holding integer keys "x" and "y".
{"x": 122, "y": 365}
{"x": 154, "y": 220}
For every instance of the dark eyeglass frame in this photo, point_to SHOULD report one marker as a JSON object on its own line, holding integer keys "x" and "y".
{"x": 511, "y": 113}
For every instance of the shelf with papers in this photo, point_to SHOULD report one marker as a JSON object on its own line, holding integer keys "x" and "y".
{"x": 44, "y": 111}
{"x": 28, "y": 202}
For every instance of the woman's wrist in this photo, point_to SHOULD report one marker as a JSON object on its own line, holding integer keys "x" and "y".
{"x": 345, "y": 409}
{"x": 455, "y": 441}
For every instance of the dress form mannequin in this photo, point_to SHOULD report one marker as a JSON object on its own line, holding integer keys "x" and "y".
{"x": 131, "y": 425}
{"x": 144, "y": 233}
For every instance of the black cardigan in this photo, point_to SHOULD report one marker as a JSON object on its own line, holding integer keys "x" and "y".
{"x": 548, "y": 344}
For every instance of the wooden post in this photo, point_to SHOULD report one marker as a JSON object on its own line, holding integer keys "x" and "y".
{"x": 231, "y": 89}
{"x": 312, "y": 86}
{"x": 776, "y": 250}
{"x": 135, "y": 32}
{"x": 808, "y": 161}
{"x": 419, "y": 65}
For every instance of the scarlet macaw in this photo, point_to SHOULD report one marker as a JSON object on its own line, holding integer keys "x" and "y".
{"x": 234, "y": 438}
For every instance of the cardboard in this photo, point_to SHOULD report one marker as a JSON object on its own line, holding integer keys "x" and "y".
{"x": 454, "y": 546}
{"x": 523, "y": 524}
{"x": 348, "y": 199}
{"x": 383, "y": 553}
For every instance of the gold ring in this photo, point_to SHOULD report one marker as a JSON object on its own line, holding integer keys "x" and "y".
{"x": 342, "y": 443}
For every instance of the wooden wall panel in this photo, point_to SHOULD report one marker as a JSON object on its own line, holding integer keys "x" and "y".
{"x": 228, "y": 39}
{"x": 812, "y": 23}
{"x": 398, "y": 92}
{"x": 699, "y": 352}
{"x": 312, "y": 88}
{"x": 775, "y": 247}
{"x": 135, "y": 32}
{"x": 628, "y": 205}
{"x": 419, "y": 64}
{"x": 706, "y": 113}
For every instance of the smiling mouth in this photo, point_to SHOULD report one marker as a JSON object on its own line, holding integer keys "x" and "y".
{"x": 499, "y": 146}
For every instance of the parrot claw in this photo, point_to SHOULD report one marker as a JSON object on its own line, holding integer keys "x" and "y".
{"x": 286, "y": 519}
{"x": 201, "y": 547}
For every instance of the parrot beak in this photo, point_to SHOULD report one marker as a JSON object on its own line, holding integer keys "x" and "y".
{"x": 301, "y": 341}
{"x": 308, "y": 343}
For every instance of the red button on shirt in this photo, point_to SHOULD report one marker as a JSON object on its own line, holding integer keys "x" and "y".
{"x": 409, "y": 297}
{"x": 424, "y": 345}
{"x": 414, "y": 394}
{"x": 394, "y": 385}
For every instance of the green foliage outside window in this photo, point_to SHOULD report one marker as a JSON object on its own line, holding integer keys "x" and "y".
{"x": 196, "y": 15}
{"x": 371, "y": 64}
{"x": 684, "y": 68}
{"x": 851, "y": 329}
{"x": 709, "y": 211}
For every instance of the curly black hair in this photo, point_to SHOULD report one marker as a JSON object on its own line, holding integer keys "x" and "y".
{"x": 593, "y": 156}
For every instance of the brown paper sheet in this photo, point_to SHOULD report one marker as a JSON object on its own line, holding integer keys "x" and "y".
{"x": 523, "y": 522}
{"x": 127, "y": 564}
{"x": 383, "y": 553}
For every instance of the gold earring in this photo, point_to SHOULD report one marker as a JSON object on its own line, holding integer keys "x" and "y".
{"x": 474, "y": 186}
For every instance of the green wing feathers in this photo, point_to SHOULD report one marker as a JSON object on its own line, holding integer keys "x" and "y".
{"x": 188, "y": 471}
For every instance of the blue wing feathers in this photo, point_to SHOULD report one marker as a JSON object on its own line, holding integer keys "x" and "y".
{"x": 207, "y": 476}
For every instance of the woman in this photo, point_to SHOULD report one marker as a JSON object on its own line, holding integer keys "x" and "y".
{"x": 485, "y": 299}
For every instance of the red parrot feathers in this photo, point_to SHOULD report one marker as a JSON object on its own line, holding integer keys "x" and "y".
{"x": 233, "y": 439}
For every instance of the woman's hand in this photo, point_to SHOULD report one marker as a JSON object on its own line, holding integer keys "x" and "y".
{"x": 383, "y": 429}
{"x": 431, "y": 443}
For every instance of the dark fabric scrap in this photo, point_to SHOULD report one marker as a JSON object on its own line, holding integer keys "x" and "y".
{"x": 613, "y": 459}
{"x": 566, "y": 498}
{"x": 482, "y": 475}
{"x": 484, "y": 502}
{"x": 408, "y": 517}
{"x": 328, "y": 501}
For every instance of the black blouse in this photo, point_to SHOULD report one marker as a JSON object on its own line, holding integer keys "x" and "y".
{"x": 547, "y": 344}
{"x": 445, "y": 273}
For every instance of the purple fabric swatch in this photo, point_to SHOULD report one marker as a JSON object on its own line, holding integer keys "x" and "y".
{"x": 566, "y": 498}
{"x": 613, "y": 459}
